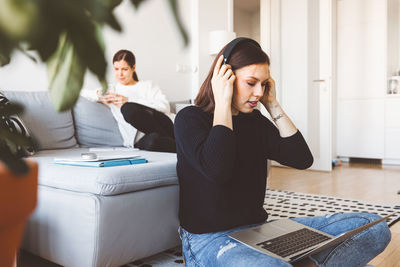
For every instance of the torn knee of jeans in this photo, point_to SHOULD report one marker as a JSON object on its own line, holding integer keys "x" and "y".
{"x": 331, "y": 214}
{"x": 225, "y": 248}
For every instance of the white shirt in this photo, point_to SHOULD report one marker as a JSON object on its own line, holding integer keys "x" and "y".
{"x": 145, "y": 93}
{"x": 142, "y": 92}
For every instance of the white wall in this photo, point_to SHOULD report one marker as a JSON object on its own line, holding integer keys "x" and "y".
{"x": 361, "y": 77}
{"x": 149, "y": 32}
{"x": 393, "y": 33}
{"x": 211, "y": 15}
{"x": 397, "y": 16}
{"x": 361, "y": 49}
{"x": 23, "y": 74}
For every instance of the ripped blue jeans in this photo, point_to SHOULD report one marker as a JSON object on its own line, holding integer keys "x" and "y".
{"x": 218, "y": 249}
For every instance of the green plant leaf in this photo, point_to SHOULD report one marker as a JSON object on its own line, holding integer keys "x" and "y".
{"x": 52, "y": 25}
{"x": 113, "y": 22}
{"x": 66, "y": 73}
{"x": 137, "y": 3}
{"x": 173, "y": 4}
{"x": 113, "y": 3}
{"x": 74, "y": 18}
{"x": 101, "y": 11}
{"x": 6, "y": 47}
{"x": 99, "y": 36}
{"x": 89, "y": 49}
{"x": 77, "y": 18}
{"x": 4, "y": 60}
{"x": 18, "y": 18}
{"x": 174, "y": 8}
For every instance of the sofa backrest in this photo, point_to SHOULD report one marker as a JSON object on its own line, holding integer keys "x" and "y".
{"x": 50, "y": 130}
{"x": 88, "y": 124}
{"x": 176, "y": 106}
{"x": 95, "y": 125}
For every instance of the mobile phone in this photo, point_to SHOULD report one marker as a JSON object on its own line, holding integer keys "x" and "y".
{"x": 110, "y": 88}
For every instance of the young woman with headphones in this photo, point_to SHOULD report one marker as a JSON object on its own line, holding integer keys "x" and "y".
{"x": 223, "y": 143}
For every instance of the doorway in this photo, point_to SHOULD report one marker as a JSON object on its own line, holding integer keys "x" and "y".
{"x": 246, "y": 19}
{"x": 306, "y": 42}
{"x": 299, "y": 37}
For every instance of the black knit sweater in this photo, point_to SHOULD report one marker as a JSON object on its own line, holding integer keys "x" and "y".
{"x": 222, "y": 173}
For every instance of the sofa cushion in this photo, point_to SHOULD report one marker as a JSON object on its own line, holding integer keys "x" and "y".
{"x": 50, "y": 130}
{"x": 159, "y": 171}
{"x": 95, "y": 125}
{"x": 176, "y": 106}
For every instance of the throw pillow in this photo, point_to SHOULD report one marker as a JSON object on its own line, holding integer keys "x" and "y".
{"x": 95, "y": 125}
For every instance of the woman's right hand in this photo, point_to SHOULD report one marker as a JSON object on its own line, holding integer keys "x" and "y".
{"x": 105, "y": 99}
{"x": 222, "y": 84}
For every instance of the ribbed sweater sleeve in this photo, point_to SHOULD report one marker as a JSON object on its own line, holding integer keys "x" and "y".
{"x": 290, "y": 151}
{"x": 209, "y": 149}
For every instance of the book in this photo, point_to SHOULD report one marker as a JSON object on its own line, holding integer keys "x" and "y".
{"x": 102, "y": 163}
{"x": 107, "y": 149}
{"x": 97, "y": 158}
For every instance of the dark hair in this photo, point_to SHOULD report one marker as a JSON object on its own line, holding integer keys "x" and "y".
{"x": 129, "y": 57}
{"x": 244, "y": 53}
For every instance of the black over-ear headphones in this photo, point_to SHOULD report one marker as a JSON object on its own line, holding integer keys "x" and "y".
{"x": 230, "y": 46}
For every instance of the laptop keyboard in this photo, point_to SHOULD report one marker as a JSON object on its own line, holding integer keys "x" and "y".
{"x": 293, "y": 242}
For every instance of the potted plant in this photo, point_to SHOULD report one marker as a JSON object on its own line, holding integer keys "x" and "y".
{"x": 66, "y": 34}
{"x": 18, "y": 182}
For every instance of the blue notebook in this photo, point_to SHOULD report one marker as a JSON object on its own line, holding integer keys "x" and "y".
{"x": 102, "y": 163}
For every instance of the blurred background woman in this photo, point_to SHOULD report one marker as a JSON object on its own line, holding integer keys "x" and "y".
{"x": 140, "y": 104}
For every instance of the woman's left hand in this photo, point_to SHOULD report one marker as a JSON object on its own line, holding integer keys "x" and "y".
{"x": 119, "y": 100}
{"x": 269, "y": 97}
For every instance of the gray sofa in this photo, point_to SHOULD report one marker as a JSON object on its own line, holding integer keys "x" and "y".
{"x": 95, "y": 216}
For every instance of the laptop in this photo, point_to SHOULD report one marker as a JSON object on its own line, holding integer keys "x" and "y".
{"x": 290, "y": 240}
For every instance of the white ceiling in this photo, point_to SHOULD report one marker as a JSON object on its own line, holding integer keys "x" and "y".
{"x": 247, "y": 5}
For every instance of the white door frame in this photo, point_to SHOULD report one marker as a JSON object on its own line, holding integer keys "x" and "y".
{"x": 270, "y": 36}
{"x": 327, "y": 20}
{"x": 270, "y": 29}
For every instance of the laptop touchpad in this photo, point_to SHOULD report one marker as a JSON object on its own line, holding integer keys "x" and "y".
{"x": 270, "y": 230}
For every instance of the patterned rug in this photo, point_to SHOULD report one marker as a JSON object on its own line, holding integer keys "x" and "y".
{"x": 284, "y": 204}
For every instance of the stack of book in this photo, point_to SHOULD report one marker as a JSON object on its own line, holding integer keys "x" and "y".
{"x": 101, "y": 161}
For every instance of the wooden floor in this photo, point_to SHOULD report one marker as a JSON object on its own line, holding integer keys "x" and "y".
{"x": 357, "y": 181}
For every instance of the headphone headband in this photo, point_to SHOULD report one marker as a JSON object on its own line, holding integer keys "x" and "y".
{"x": 231, "y": 45}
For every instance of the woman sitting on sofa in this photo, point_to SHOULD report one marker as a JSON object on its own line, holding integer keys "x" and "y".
{"x": 142, "y": 105}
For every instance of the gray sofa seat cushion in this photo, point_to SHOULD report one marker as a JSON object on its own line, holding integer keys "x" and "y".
{"x": 159, "y": 171}
{"x": 50, "y": 130}
{"x": 95, "y": 125}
